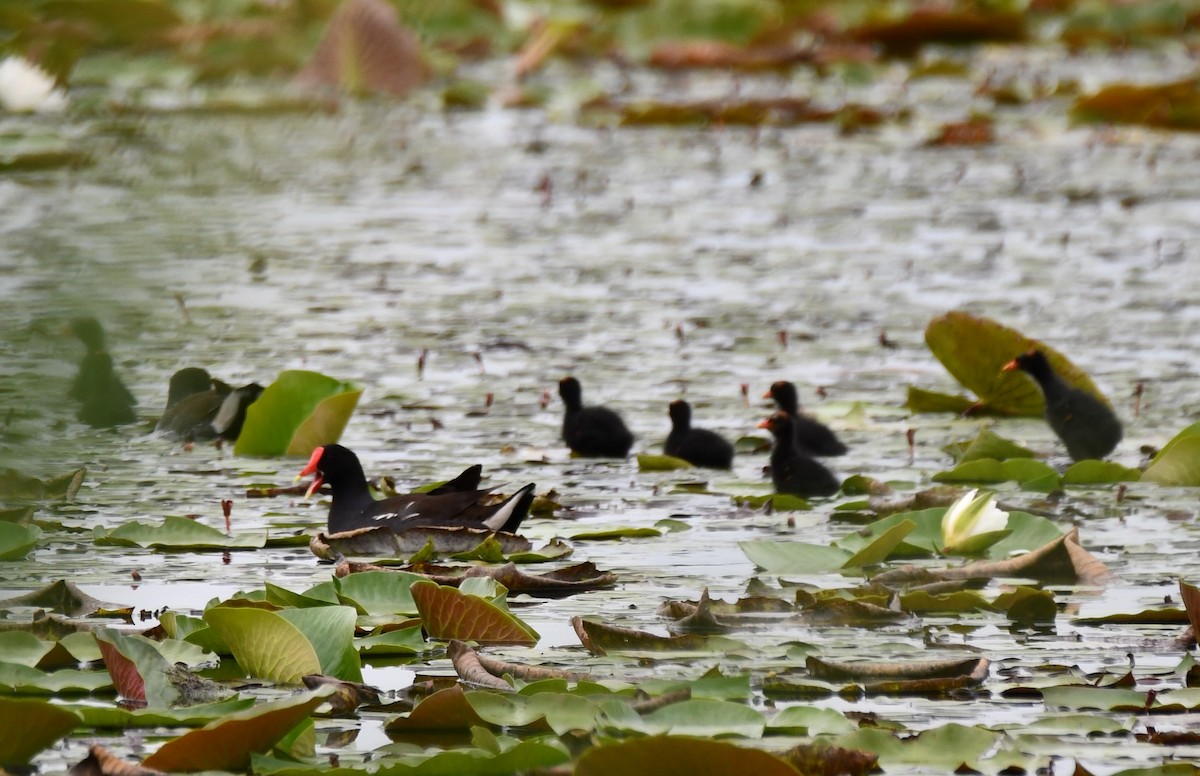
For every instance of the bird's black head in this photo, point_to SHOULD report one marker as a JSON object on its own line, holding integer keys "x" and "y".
{"x": 571, "y": 392}
{"x": 333, "y": 464}
{"x": 186, "y": 382}
{"x": 784, "y": 394}
{"x": 779, "y": 424}
{"x": 681, "y": 413}
{"x": 89, "y": 331}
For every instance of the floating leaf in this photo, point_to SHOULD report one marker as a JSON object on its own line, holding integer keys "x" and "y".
{"x": 138, "y": 671}
{"x": 448, "y": 613}
{"x": 925, "y": 676}
{"x": 1174, "y": 105}
{"x": 1032, "y": 474}
{"x": 23, "y": 680}
{"x": 378, "y": 592}
{"x": 600, "y": 638}
{"x": 296, "y": 414}
{"x": 1178, "y": 464}
{"x": 946, "y": 747}
{"x": 783, "y": 557}
{"x": 176, "y": 533}
{"x": 616, "y": 533}
{"x": 987, "y": 444}
{"x": 226, "y": 744}
{"x": 1093, "y": 472}
{"x": 661, "y": 463}
{"x": 973, "y": 349}
{"x": 810, "y": 721}
{"x": 705, "y": 717}
{"x": 779, "y": 502}
{"x": 679, "y": 756}
{"x": 27, "y": 727}
{"x": 405, "y": 641}
{"x": 193, "y": 716}
{"x": 382, "y": 542}
{"x": 444, "y": 710}
{"x": 61, "y": 596}
{"x": 287, "y": 645}
{"x": 16, "y": 541}
{"x": 878, "y": 551}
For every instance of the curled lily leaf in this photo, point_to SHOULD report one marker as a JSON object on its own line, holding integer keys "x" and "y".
{"x": 973, "y": 523}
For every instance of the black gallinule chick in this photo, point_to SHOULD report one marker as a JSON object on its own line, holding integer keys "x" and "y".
{"x": 792, "y": 470}
{"x": 232, "y": 415}
{"x": 697, "y": 446}
{"x": 1085, "y": 423}
{"x": 460, "y": 505}
{"x": 812, "y": 436}
{"x": 592, "y": 431}
{"x": 104, "y": 399}
{"x": 193, "y": 400}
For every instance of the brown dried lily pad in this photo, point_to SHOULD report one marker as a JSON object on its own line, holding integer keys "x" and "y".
{"x": 101, "y": 762}
{"x": 689, "y": 54}
{"x": 382, "y": 542}
{"x": 679, "y": 756}
{"x": 347, "y": 696}
{"x": 822, "y": 759}
{"x": 941, "y": 24}
{"x": 840, "y": 611}
{"x": 1061, "y": 560}
{"x": 483, "y": 671}
{"x": 921, "y": 677}
{"x": 972, "y": 132}
{"x": 1174, "y": 105}
{"x": 599, "y": 638}
{"x": 559, "y": 582}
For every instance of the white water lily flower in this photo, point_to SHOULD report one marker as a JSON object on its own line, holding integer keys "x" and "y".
{"x": 973, "y": 523}
{"x": 25, "y": 87}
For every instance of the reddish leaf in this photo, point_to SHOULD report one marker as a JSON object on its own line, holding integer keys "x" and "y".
{"x": 125, "y": 676}
{"x": 680, "y": 756}
{"x": 448, "y": 614}
{"x": 444, "y": 710}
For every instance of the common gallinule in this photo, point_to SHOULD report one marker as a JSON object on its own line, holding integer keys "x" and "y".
{"x": 455, "y": 504}
{"x": 104, "y": 399}
{"x": 193, "y": 400}
{"x": 232, "y": 415}
{"x": 697, "y": 446}
{"x": 592, "y": 431}
{"x": 812, "y": 436}
{"x": 792, "y": 470}
{"x": 1085, "y": 423}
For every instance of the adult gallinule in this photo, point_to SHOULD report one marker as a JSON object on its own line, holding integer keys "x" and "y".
{"x": 812, "y": 436}
{"x": 1085, "y": 424}
{"x": 792, "y": 470}
{"x": 697, "y": 446}
{"x": 104, "y": 399}
{"x": 592, "y": 431}
{"x": 455, "y": 504}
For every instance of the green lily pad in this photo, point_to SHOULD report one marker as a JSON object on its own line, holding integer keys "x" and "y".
{"x": 1178, "y": 463}
{"x": 176, "y": 533}
{"x": 28, "y": 726}
{"x": 779, "y": 502}
{"x": 16, "y": 540}
{"x": 945, "y": 747}
{"x": 227, "y": 743}
{"x": 922, "y": 400}
{"x": 1094, "y": 472}
{"x": 661, "y": 463}
{"x": 779, "y": 557}
{"x": 404, "y": 641}
{"x": 703, "y": 717}
{"x": 297, "y": 413}
{"x": 287, "y": 645}
{"x": 987, "y": 444}
{"x": 23, "y": 680}
{"x": 973, "y": 349}
{"x": 119, "y": 718}
{"x": 378, "y": 592}
{"x": 1031, "y": 474}
{"x": 810, "y": 720}
{"x": 878, "y": 551}
{"x": 616, "y": 533}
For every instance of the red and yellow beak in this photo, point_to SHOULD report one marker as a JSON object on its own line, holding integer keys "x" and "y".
{"x": 767, "y": 394}
{"x": 311, "y": 468}
{"x": 765, "y": 424}
{"x": 1010, "y": 366}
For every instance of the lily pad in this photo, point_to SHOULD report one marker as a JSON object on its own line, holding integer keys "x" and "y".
{"x": 780, "y": 557}
{"x": 973, "y": 349}
{"x": 16, "y": 540}
{"x": 661, "y": 463}
{"x": 296, "y": 414}
{"x": 176, "y": 533}
{"x": 287, "y": 645}
{"x": 448, "y": 613}
{"x": 679, "y": 756}
{"x": 1030, "y": 473}
{"x": 609, "y": 534}
{"x": 1178, "y": 464}
{"x": 191, "y": 716}
{"x": 60, "y": 596}
{"x": 28, "y": 726}
{"x": 987, "y": 444}
{"x": 1092, "y": 472}
{"x": 378, "y": 592}
{"x": 227, "y": 743}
